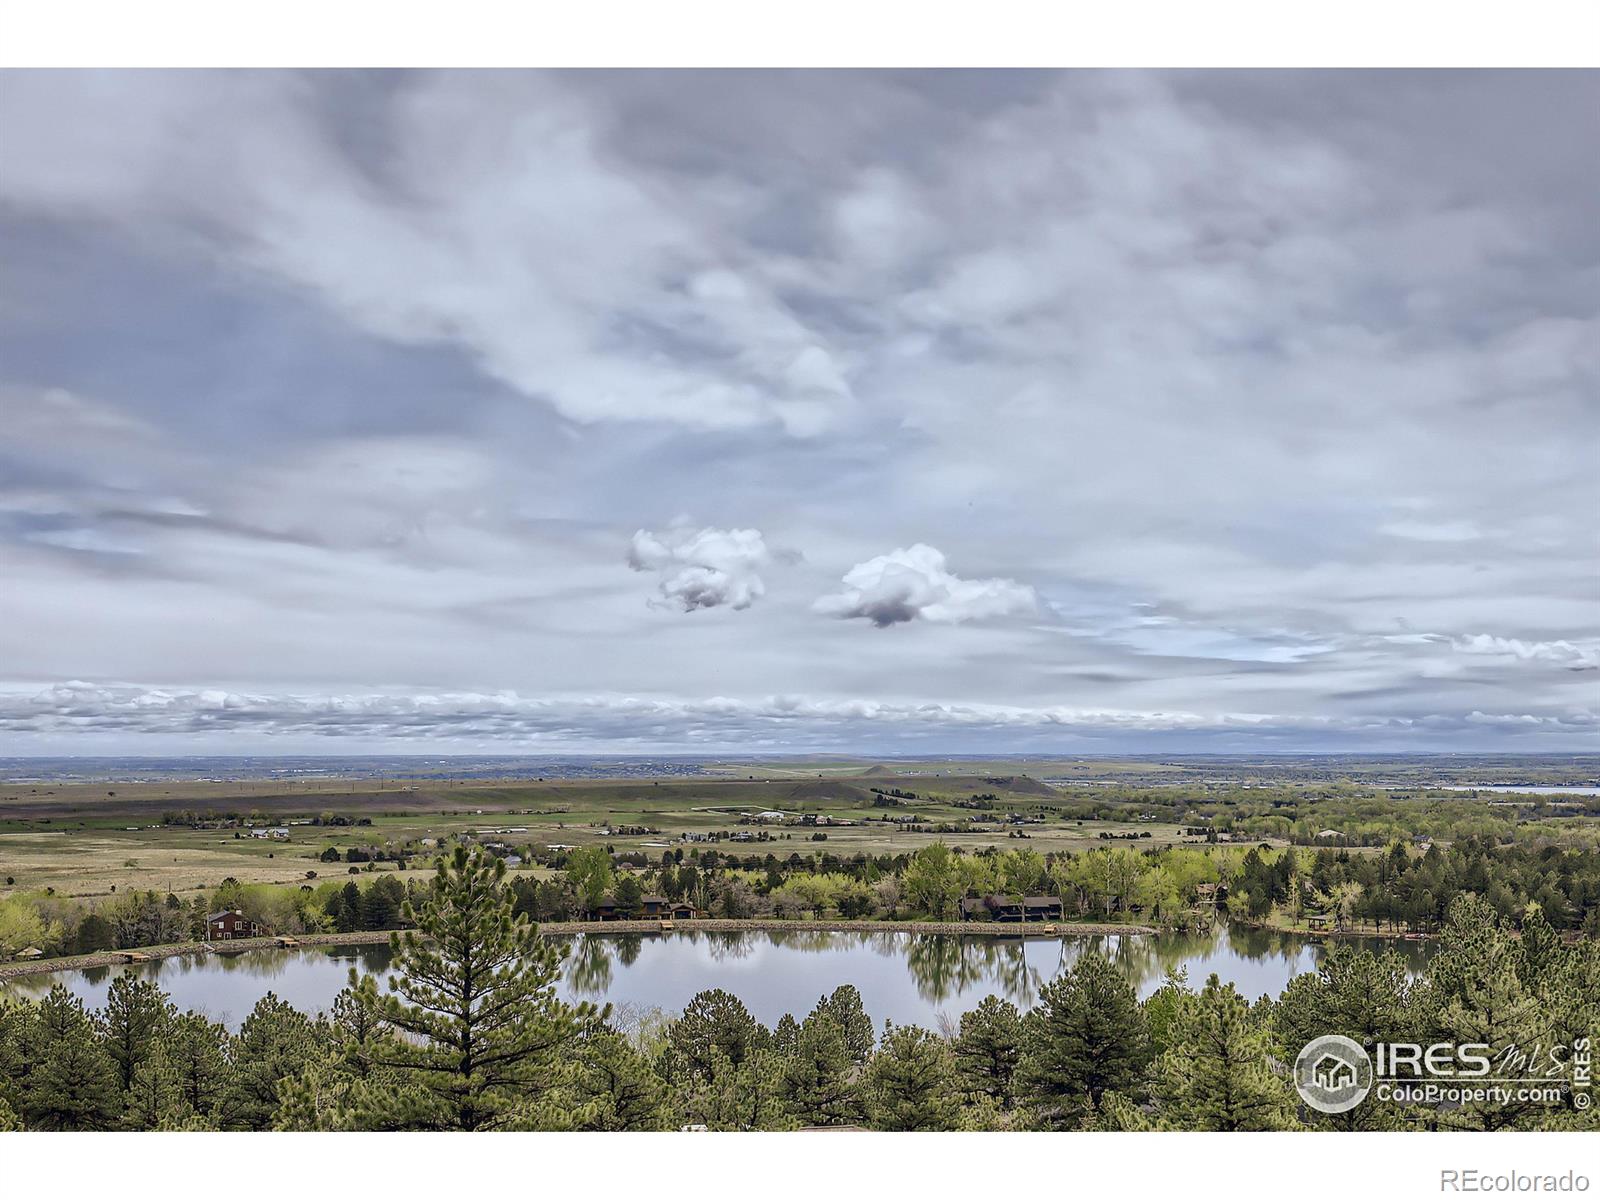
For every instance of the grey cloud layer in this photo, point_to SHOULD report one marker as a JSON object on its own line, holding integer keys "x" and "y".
{"x": 1258, "y": 393}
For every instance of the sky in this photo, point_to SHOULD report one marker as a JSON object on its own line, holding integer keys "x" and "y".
{"x": 764, "y": 412}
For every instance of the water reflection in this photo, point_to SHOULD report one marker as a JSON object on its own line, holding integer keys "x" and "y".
{"x": 902, "y": 976}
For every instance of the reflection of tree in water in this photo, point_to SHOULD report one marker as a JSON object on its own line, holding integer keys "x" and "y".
{"x": 262, "y": 964}
{"x": 808, "y": 941}
{"x": 729, "y": 945}
{"x": 1008, "y": 966}
{"x": 1140, "y": 957}
{"x": 628, "y": 947}
{"x": 588, "y": 966}
{"x": 942, "y": 965}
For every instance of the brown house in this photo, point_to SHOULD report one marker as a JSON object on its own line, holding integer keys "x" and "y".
{"x": 1012, "y": 908}
{"x": 230, "y": 924}
{"x": 650, "y": 907}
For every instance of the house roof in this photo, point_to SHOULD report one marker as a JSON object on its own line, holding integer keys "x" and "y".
{"x": 227, "y": 912}
{"x": 1042, "y": 900}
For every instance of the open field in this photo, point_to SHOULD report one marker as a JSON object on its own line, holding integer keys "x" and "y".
{"x": 81, "y": 840}
{"x": 176, "y": 835}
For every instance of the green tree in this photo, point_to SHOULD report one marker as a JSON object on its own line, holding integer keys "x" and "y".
{"x": 1087, "y": 1037}
{"x": 845, "y": 1007}
{"x": 630, "y": 896}
{"x": 1217, "y": 1075}
{"x": 474, "y": 998}
{"x": 615, "y": 1086}
{"x": 908, "y": 1083}
{"x": 73, "y": 1082}
{"x": 275, "y": 1041}
{"x": 932, "y": 881}
{"x": 714, "y": 1021}
{"x": 153, "y": 1099}
{"x": 746, "y": 1096}
{"x": 589, "y": 873}
{"x": 817, "y": 1081}
{"x": 193, "y": 1048}
{"x": 988, "y": 1049}
{"x": 137, "y": 1014}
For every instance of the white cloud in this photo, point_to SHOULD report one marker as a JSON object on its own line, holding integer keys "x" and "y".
{"x": 1563, "y": 653}
{"x": 704, "y": 568}
{"x": 906, "y": 584}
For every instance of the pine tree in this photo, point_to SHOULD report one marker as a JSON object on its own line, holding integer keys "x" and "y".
{"x": 908, "y": 1083}
{"x": 474, "y": 997}
{"x": 816, "y": 1080}
{"x": 1478, "y": 997}
{"x": 786, "y": 1034}
{"x": 193, "y": 1049}
{"x": 746, "y": 1096}
{"x": 73, "y": 1083}
{"x": 988, "y": 1049}
{"x": 153, "y": 1099}
{"x": 845, "y": 1007}
{"x": 1087, "y": 1037}
{"x": 1218, "y": 1075}
{"x": 616, "y": 1087}
{"x": 714, "y": 1021}
{"x": 275, "y": 1041}
{"x": 137, "y": 1013}
{"x": 16, "y": 1046}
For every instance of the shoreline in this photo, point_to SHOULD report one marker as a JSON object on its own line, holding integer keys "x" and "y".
{"x": 373, "y": 937}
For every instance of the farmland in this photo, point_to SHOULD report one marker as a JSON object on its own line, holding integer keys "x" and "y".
{"x": 95, "y": 837}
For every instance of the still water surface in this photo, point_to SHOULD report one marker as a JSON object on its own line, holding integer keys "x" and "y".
{"x": 908, "y": 978}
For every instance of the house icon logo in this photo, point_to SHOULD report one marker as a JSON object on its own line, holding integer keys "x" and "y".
{"x": 1333, "y": 1074}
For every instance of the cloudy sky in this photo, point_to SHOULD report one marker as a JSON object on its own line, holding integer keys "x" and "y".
{"x": 758, "y": 411}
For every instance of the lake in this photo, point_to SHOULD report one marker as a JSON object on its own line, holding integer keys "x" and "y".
{"x": 909, "y": 978}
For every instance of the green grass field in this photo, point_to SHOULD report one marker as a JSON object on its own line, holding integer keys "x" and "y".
{"x": 81, "y": 840}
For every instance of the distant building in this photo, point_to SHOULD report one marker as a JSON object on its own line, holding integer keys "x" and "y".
{"x": 277, "y": 833}
{"x": 230, "y": 924}
{"x": 1012, "y": 908}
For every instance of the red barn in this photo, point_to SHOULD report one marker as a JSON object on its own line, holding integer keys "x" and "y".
{"x": 230, "y": 924}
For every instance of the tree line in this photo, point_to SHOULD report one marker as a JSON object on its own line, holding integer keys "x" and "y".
{"x": 1402, "y": 889}
{"x": 472, "y": 1036}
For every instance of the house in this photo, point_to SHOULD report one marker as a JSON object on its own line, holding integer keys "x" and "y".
{"x": 655, "y": 906}
{"x": 29, "y": 953}
{"x": 278, "y": 833}
{"x": 229, "y": 924}
{"x": 1327, "y": 833}
{"x": 1041, "y": 908}
{"x": 1013, "y": 908}
{"x": 683, "y": 911}
{"x": 606, "y": 910}
{"x": 1333, "y": 1074}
